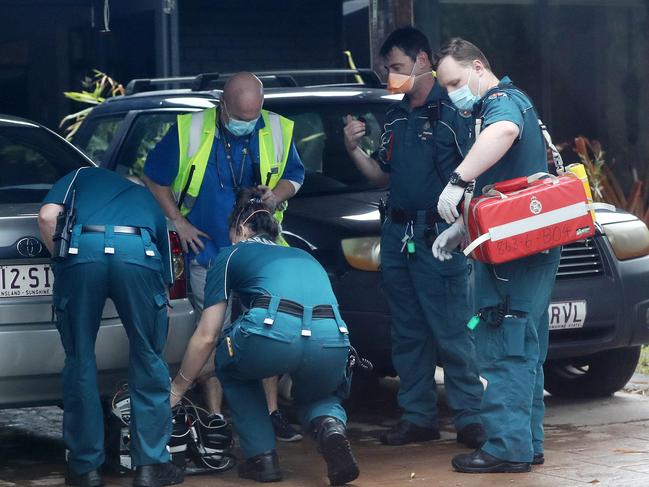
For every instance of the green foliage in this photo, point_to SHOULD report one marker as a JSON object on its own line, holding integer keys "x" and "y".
{"x": 97, "y": 89}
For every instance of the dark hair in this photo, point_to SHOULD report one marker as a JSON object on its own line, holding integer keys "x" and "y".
{"x": 410, "y": 40}
{"x": 462, "y": 51}
{"x": 258, "y": 216}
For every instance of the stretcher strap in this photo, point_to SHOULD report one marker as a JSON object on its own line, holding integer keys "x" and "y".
{"x": 536, "y": 222}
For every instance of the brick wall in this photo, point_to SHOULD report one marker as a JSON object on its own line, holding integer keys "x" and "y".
{"x": 233, "y": 35}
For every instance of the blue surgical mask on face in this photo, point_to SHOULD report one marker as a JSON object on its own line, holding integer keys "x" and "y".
{"x": 463, "y": 98}
{"x": 239, "y": 128}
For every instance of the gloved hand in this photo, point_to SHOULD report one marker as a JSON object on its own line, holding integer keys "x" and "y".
{"x": 447, "y": 241}
{"x": 448, "y": 201}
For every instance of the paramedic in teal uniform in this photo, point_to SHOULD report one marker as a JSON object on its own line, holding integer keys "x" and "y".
{"x": 119, "y": 249}
{"x": 511, "y": 351}
{"x": 423, "y": 141}
{"x": 292, "y": 326}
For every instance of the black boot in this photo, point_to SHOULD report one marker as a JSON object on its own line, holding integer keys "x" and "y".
{"x": 89, "y": 479}
{"x": 336, "y": 450}
{"x": 262, "y": 468}
{"x": 157, "y": 475}
{"x": 472, "y": 435}
{"x": 482, "y": 462}
{"x": 405, "y": 432}
{"x": 539, "y": 459}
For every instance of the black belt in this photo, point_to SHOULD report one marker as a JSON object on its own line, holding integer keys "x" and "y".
{"x": 292, "y": 308}
{"x": 398, "y": 215}
{"x": 116, "y": 229}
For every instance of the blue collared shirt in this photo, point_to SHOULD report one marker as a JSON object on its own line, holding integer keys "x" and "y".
{"x": 216, "y": 198}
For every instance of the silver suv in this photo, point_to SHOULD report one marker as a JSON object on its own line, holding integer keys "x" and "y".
{"x": 32, "y": 158}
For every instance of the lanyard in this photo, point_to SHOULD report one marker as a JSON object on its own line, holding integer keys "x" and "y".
{"x": 227, "y": 147}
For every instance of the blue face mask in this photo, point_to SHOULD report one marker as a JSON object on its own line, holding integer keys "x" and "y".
{"x": 463, "y": 98}
{"x": 239, "y": 128}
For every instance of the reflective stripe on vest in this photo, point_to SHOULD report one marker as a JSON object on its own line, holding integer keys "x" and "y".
{"x": 196, "y": 132}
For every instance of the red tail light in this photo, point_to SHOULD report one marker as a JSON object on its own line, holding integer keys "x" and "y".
{"x": 179, "y": 288}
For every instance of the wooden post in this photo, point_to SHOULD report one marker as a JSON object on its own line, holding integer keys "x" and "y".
{"x": 385, "y": 16}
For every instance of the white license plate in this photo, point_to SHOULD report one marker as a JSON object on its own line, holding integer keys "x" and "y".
{"x": 567, "y": 314}
{"x": 26, "y": 280}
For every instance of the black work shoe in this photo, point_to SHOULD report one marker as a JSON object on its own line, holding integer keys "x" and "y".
{"x": 157, "y": 475}
{"x": 482, "y": 462}
{"x": 472, "y": 435}
{"x": 336, "y": 450}
{"x": 539, "y": 459}
{"x": 89, "y": 479}
{"x": 405, "y": 432}
{"x": 283, "y": 430}
{"x": 262, "y": 468}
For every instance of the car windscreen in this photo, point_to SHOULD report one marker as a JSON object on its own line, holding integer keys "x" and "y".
{"x": 31, "y": 161}
{"x": 318, "y": 136}
{"x": 97, "y": 134}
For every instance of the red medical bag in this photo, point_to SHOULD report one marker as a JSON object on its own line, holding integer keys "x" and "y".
{"x": 525, "y": 216}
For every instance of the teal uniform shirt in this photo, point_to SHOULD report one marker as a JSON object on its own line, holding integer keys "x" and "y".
{"x": 420, "y": 149}
{"x": 528, "y": 154}
{"x": 257, "y": 267}
{"x": 95, "y": 189}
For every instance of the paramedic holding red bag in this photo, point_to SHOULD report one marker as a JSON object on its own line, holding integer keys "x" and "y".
{"x": 512, "y": 298}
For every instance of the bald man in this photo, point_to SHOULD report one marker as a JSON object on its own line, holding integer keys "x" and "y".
{"x": 195, "y": 172}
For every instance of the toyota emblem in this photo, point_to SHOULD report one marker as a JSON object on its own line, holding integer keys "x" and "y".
{"x": 29, "y": 247}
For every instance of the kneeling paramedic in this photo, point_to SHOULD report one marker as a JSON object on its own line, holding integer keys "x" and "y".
{"x": 292, "y": 326}
{"x": 512, "y": 298}
{"x": 118, "y": 249}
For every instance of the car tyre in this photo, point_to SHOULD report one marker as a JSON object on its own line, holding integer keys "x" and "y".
{"x": 598, "y": 375}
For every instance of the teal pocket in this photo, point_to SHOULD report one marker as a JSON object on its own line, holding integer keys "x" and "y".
{"x": 514, "y": 335}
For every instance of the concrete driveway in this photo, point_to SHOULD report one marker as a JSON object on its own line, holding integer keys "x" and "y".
{"x": 602, "y": 442}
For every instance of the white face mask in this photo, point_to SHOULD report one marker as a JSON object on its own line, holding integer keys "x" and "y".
{"x": 463, "y": 98}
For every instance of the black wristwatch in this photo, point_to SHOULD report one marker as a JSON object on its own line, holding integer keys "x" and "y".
{"x": 456, "y": 180}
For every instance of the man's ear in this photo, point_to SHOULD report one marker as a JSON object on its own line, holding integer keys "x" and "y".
{"x": 422, "y": 59}
{"x": 478, "y": 66}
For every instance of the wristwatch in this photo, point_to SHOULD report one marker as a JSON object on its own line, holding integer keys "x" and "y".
{"x": 456, "y": 180}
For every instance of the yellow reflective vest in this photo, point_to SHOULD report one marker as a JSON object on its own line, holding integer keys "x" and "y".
{"x": 196, "y": 134}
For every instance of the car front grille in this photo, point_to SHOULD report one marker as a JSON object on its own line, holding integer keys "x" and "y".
{"x": 580, "y": 259}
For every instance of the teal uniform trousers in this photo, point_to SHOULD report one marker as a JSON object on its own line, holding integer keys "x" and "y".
{"x": 317, "y": 365}
{"x": 511, "y": 355}
{"x": 83, "y": 283}
{"x": 429, "y": 304}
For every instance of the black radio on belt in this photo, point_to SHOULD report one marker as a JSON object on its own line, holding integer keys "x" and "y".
{"x": 64, "y": 223}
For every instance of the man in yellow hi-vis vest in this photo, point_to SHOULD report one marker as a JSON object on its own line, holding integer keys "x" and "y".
{"x": 195, "y": 172}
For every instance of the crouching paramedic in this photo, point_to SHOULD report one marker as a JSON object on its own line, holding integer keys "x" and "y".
{"x": 292, "y": 326}
{"x": 118, "y": 249}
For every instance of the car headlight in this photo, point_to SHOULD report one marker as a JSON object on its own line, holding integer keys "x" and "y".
{"x": 629, "y": 239}
{"x": 363, "y": 253}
